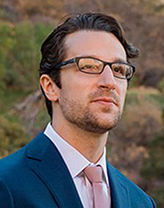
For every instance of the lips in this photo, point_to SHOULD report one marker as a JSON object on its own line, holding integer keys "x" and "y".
{"x": 105, "y": 101}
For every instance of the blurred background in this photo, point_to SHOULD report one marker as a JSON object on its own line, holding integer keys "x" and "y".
{"x": 136, "y": 146}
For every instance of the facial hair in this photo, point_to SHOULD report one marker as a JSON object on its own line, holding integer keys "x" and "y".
{"x": 86, "y": 118}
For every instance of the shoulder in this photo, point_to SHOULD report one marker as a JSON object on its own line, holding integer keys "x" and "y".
{"x": 9, "y": 169}
{"x": 135, "y": 194}
{"x": 15, "y": 171}
{"x": 6, "y": 199}
{"x": 16, "y": 163}
{"x": 11, "y": 162}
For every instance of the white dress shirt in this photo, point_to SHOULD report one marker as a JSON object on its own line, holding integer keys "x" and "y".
{"x": 76, "y": 163}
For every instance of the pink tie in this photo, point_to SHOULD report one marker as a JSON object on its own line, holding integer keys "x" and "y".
{"x": 94, "y": 175}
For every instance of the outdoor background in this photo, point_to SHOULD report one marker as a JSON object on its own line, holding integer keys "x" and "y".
{"x": 136, "y": 146}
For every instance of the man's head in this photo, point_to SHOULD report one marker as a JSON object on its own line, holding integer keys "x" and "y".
{"x": 53, "y": 49}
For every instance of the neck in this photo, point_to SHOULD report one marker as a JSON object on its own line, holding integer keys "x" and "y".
{"x": 90, "y": 145}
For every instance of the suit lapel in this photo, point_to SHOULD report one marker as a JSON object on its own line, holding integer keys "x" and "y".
{"x": 47, "y": 163}
{"x": 119, "y": 191}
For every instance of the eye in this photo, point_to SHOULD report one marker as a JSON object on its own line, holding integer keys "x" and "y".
{"x": 89, "y": 65}
{"x": 119, "y": 69}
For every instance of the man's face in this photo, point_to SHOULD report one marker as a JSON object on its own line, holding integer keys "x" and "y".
{"x": 92, "y": 102}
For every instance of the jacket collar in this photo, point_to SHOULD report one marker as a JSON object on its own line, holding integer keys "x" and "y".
{"x": 47, "y": 163}
{"x": 119, "y": 191}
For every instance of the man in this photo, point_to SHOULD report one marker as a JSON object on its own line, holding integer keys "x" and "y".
{"x": 84, "y": 74}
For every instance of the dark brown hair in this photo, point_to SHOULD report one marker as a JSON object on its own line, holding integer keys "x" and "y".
{"x": 53, "y": 50}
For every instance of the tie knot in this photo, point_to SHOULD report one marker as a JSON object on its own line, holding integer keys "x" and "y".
{"x": 94, "y": 174}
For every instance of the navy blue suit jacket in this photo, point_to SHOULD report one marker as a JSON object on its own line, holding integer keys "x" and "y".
{"x": 37, "y": 177}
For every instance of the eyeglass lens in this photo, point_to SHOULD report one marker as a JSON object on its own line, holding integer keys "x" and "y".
{"x": 94, "y": 66}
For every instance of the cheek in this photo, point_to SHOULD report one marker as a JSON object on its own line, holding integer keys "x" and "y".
{"x": 122, "y": 89}
{"x": 122, "y": 97}
{"x": 73, "y": 91}
{"x": 76, "y": 85}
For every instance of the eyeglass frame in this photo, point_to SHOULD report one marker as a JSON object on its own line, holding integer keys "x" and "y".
{"x": 76, "y": 61}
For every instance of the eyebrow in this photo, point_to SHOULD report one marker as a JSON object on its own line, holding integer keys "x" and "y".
{"x": 117, "y": 60}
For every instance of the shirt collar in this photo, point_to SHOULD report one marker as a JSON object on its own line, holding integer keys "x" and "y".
{"x": 102, "y": 163}
{"x": 74, "y": 160}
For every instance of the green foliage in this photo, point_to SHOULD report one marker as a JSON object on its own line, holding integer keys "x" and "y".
{"x": 155, "y": 160}
{"x": 158, "y": 195}
{"x": 19, "y": 52}
{"x": 153, "y": 169}
{"x": 134, "y": 82}
{"x": 41, "y": 119}
{"x": 19, "y": 62}
{"x": 161, "y": 85}
{"x": 138, "y": 141}
{"x": 11, "y": 136}
{"x": 140, "y": 94}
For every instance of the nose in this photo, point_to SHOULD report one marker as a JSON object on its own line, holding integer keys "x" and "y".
{"x": 106, "y": 79}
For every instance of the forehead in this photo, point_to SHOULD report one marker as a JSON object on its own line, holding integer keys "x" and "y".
{"x": 99, "y": 44}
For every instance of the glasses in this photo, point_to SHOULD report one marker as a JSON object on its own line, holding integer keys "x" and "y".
{"x": 91, "y": 65}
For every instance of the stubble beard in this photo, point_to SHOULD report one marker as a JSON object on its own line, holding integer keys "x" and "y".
{"x": 86, "y": 119}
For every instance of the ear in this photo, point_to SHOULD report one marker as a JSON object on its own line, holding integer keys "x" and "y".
{"x": 50, "y": 89}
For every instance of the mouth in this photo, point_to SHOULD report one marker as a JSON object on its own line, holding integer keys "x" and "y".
{"x": 106, "y": 101}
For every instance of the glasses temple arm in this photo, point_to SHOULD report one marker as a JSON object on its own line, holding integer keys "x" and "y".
{"x": 65, "y": 63}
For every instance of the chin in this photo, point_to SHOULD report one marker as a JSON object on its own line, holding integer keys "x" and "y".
{"x": 100, "y": 127}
